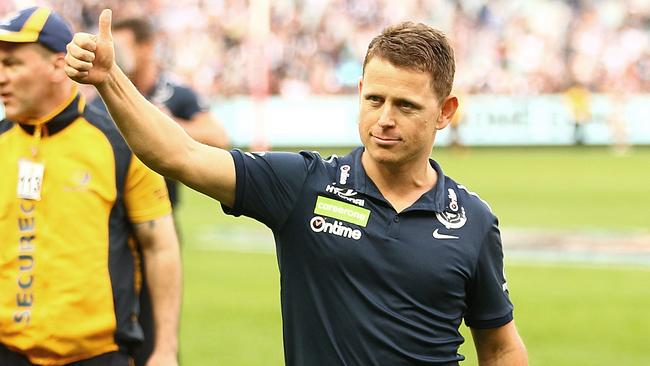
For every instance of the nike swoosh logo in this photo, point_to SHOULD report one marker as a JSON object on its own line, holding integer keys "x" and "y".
{"x": 437, "y": 235}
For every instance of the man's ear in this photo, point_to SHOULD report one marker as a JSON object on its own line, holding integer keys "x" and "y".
{"x": 447, "y": 110}
{"x": 58, "y": 64}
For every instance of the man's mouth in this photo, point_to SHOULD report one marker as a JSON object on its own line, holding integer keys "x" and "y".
{"x": 385, "y": 140}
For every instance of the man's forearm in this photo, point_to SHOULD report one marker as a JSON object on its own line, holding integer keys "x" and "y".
{"x": 161, "y": 252}
{"x": 500, "y": 346}
{"x": 154, "y": 137}
{"x": 164, "y": 283}
{"x": 511, "y": 357}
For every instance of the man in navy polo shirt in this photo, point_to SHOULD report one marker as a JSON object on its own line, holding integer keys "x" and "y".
{"x": 381, "y": 256}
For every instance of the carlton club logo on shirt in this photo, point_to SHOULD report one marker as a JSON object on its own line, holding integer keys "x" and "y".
{"x": 319, "y": 224}
{"x": 455, "y": 217}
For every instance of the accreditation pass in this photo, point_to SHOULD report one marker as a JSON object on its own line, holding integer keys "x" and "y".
{"x": 30, "y": 179}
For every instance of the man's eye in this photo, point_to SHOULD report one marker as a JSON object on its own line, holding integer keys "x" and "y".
{"x": 406, "y": 105}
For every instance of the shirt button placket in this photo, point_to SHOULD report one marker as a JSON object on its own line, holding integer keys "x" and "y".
{"x": 393, "y": 227}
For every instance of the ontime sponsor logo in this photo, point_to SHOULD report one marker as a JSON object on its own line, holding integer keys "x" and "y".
{"x": 319, "y": 224}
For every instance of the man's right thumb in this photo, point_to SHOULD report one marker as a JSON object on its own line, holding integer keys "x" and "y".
{"x": 105, "y": 25}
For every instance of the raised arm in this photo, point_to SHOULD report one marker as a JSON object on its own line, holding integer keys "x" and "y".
{"x": 154, "y": 137}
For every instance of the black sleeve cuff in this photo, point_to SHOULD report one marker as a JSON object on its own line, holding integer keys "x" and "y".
{"x": 492, "y": 323}
{"x": 240, "y": 184}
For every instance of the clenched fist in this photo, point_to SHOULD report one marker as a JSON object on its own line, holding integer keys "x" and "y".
{"x": 91, "y": 57}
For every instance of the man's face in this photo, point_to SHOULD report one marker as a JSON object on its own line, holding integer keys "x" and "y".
{"x": 25, "y": 79}
{"x": 128, "y": 53}
{"x": 125, "y": 49}
{"x": 399, "y": 113}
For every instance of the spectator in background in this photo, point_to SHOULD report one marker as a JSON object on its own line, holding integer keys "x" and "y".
{"x": 578, "y": 101}
{"x": 79, "y": 213}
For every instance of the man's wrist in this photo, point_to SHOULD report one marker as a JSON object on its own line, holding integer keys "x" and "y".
{"x": 112, "y": 75}
{"x": 166, "y": 346}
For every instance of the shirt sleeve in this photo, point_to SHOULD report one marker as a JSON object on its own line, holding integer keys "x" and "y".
{"x": 489, "y": 305}
{"x": 184, "y": 103}
{"x": 268, "y": 185}
{"x": 145, "y": 193}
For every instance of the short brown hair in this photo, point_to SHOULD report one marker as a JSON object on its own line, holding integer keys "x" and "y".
{"x": 142, "y": 29}
{"x": 419, "y": 47}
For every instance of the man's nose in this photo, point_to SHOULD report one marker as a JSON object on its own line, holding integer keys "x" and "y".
{"x": 387, "y": 116}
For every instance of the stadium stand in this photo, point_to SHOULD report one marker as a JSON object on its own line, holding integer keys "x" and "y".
{"x": 503, "y": 47}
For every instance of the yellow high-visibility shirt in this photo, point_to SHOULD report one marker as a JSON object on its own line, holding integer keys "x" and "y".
{"x": 69, "y": 267}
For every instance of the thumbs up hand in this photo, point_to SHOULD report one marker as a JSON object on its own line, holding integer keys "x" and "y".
{"x": 91, "y": 57}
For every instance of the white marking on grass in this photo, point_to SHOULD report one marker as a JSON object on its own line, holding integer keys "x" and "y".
{"x": 609, "y": 266}
{"x": 253, "y": 240}
{"x": 260, "y": 240}
{"x": 582, "y": 260}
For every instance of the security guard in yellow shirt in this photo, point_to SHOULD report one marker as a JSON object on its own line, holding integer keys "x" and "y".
{"x": 78, "y": 215}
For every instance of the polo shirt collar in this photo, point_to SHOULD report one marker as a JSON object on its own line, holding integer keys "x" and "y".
{"x": 358, "y": 180}
{"x": 61, "y": 117}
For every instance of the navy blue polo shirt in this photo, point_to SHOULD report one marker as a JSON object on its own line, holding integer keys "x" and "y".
{"x": 362, "y": 284}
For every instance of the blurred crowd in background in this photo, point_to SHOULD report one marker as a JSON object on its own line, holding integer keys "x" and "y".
{"x": 317, "y": 46}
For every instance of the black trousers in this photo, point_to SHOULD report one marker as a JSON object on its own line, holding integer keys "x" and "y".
{"x": 10, "y": 358}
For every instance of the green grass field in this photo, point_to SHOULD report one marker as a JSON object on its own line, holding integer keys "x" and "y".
{"x": 568, "y": 314}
